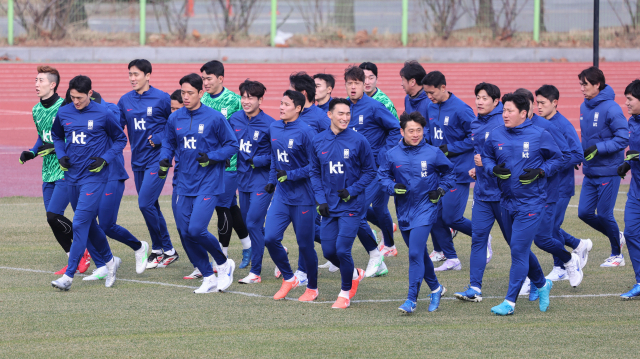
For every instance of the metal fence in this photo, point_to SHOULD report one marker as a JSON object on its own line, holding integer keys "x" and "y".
{"x": 138, "y": 20}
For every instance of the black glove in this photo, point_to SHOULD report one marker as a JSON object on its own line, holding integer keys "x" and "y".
{"x": 250, "y": 162}
{"x": 323, "y": 210}
{"x": 531, "y": 175}
{"x": 399, "y": 188}
{"x": 590, "y": 153}
{"x": 445, "y": 150}
{"x": 577, "y": 167}
{"x": 164, "y": 168}
{"x": 501, "y": 172}
{"x": 64, "y": 163}
{"x": 46, "y": 149}
{"x": 26, "y": 156}
{"x": 281, "y": 175}
{"x": 97, "y": 165}
{"x": 227, "y": 163}
{"x": 270, "y": 188}
{"x": 344, "y": 194}
{"x": 623, "y": 169}
{"x": 435, "y": 195}
{"x": 204, "y": 160}
{"x": 632, "y": 156}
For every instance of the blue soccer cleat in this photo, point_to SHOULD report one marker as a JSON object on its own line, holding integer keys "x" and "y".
{"x": 408, "y": 307}
{"x": 469, "y": 295}
{"x": 544, "y": 295}
{"x": 435, "y": 299}
{"x": 503, "y": 308}
{"x": 246, "y": 258}
{"x": 633, "y": 293}
{"x": 533, "y": 292}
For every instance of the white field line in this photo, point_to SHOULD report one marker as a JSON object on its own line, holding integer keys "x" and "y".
{"x": 295, "y": 300}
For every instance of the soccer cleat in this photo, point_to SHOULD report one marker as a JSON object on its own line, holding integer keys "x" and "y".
{"x": 341, "y": 303}
{"x": 450, "y": 264}
{"x": 85, "y": 262}
{"x": 355, "y": 283}
{"x": 375, "y": 235}
{"x": 153, "y": 260}
{"x": 623, "y": 241}
{"x": 209, "y": 285}
{"x": 225, "y": 274}
{"x": 98, "y": 273}
{"x": 388, "y": 251}
{"x": 382, "y": 270}
{"x": 435, "y": 298}
{"x": 533, "y": 292}
{"x": 309, "y": 295}
{"x": 246, "y": 258}
{"x": 503, "y": 308}
{"x": 373, "y": 266}
{"x": 633, "y": 293}
{"x": 194, "y": 275}
{"x": 302, "y": 278}
{"x": 63, "y": 283}
{"x": 276, "y": 272}
{"x": 407, "y": 307}
{"x": 614, "y": 261}
{"x": 395, "y": 228}
{"x": 333, "y": 268}
{"x": 141, "y": 257}
{"x": 574, "y": 272}
{"x": 437, "y": 256}
{"x": 326, "y": 265}
{"x": 544, "y": 295}
{"x": 285, "y": 288}
{"x": 469, "y": 295}
{"x": 583, "y": 250}
{"x": 111, "y": 272}
{"x": 250, "y": 279}
{"x": 61, "y": 271}
{"x": 489, "y": 250}
{"x": 454, "y": 233}
{"x": 525, "y": 289}
{"x": 168, "y": 259}
{"x": 557, "y": 274}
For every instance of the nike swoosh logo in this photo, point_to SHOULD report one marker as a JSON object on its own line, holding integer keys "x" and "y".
{"x": 351, "y": 214}
{"x": 108, "y": 194}
{"x": 562, "y": 276}
{"x": 500, "y": 144}
{"x": 89, "y": 194}
{"x": 305, "y": 212}
{"x": 259, "y": 194}
{"x": 453, "y": 190}
{"x": 152, "y": 173}
{"x": 274, "y": 139}
{"x": 532, "y": 214}
{"x": 206, "y": 199}
{"x": 129, "y": 109}
{"x": 68, "y": 123}
{"x": 604, "y": 184}
{"x": 239, "y": 130}
{"x": 179, "y": 128}
{"x": 324, "y": 152}
{"x": 430, "y": 118}
{"x": 398, "y": 166}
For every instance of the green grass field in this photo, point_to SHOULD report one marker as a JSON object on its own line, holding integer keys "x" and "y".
{"x": 162, "y": 317}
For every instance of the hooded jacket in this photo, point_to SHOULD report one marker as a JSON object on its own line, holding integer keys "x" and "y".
{"x": 486, "y": 188}
{"x": 553, "y": 179}
{"x": 567, "y": 185}
{"x": 254, "y": 139}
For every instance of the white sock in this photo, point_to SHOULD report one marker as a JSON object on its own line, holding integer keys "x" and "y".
{"x": 375, "y": 253}
{"x": 344, "y": 294}
{"x": 437, "y": 290}
{"x": 512, "y": 304}
{"x": 290, "y": 280}
{"x": 111, "y": 263}
{"x": 355, "y": 274}
{"x": 156, "y": 251}
{"x": 225, "y": 250}
{"x": 246, "y": 242}
{"x": 67, "y": 254}
{"x": 71, "y": 279}
{"x": 170, "y": 252}
{"x": 476, "y": 289}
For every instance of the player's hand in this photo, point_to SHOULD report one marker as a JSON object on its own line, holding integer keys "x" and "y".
{"x": 399, "y": 188}
{"x": 151, "y": 141}
{"x": 590, "y": 153}
{"x": 26, "y": 156}
{"x": 444, "y": 150}
{"x": 344, "y": 194}
{"x": 632, "y": 156}
{"x": 204, "y": 160}
{"x": 477, "y": 160}
{"x": 97, "y": 165}
{"x": 531, "y": 175}
{"x": 472, "y": 173}
{"x": 164, "y": 168}
{"x": 46, "y": 149}
{"x": 435, "y": 195}
{"x": 577, "y": 167}
{"x": 65, "y": 163}
{"x": 250, "y": 162}
{"x": 623, "y": 169}
{"x": 281, "y": 175}
{"x": 501, "y": 172}
{"x": 270, "y": 188}
{"x": 323, "y": 210}
{"x": 227, "y": 163}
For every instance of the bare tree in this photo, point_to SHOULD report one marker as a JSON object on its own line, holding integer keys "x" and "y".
{"x": 485, "y": 15}
{"x": 634, "y": 13}
{"x": 510, "y": 12}
{"x": 314, "y": 14}
{"x": 174, "y": 15}
{"x": 443, "y": 15}
{"x": 237, "y": 16}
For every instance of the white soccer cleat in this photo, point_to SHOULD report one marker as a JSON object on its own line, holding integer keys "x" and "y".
{"x": 225, "y": 275}
{"x": 209, "y": 285}
{"x": 556, "y": 274}
{"x": 437, "y": 256}
{"x": 623, "y": 241}
{"x": 450, "y": 264}
{"x": 526, "y": 287}
{"x": 99, "y": 273}
{"x": 374, "y": 265}
{"x": 614, "y": 261}
{"x": 111, "y": 272}
{"x": 302, "y": 278}
{"x": 141, "y": 257}
{"x": 62, "y": 283}
{"x": 583, "y": 250}
{"x": 573, "y": 270}
{"x": 194, "y": 275}
{"x": 375, "y": 235}
{"x": 333, "y": 268}
{"x": 276, "y": 272}
{"x": 326, "y": 265}
{"x": 250, "y": 279}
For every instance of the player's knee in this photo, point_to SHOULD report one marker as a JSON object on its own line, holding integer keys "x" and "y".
{"x": 196, "y": 231}
{"x": 52, "y": 218}
{"x": 585, "y": 214}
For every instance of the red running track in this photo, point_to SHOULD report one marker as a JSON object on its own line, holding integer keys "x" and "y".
{"x": 17, "y": 95}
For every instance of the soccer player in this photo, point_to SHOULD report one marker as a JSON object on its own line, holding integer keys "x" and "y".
{"x": 547, "y": 98}
{"x": 203, "y": 141}
{"x": 54, "y": 189}
{"x": 252, "y": 129}
{"x": 324, "y": 86}
{"x": 87, "y": 137}
{"x": 418, "y": 175}
{"x": 176, "y": 104}
{"x": 371, "y": 87}
{"x": 450, "y": 127}
{"x": 605, "y": 135}
{"x": 411, "y": 75}
{"x": 632, "y": 208}
{"x": 486, "y": 194}
{"x": 144, "y": 111}
{"x": 293, "y": 201}
{"x": 342, "y": 166}
{"x": 520, "y": 154}
{"x": 227, "y": 102}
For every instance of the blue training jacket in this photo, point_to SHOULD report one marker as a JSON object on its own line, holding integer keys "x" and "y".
{"x": 81, "y": 134}
{"x": 202, "y": 130}
{"x": 603, "y": 124}
{"x": 316, "y": 118}
{"x": 450, "y": 124}
{"x": 486, "y": 188}
{"x": 325, "y": 107}
{"x": 254, "y": 138}
{"x": 422, "y": 168}
{"x": 634, "y": 144}
{"x": 553, "y": 179}
{"x": 144, "y": 115}
{"x": 420, "y": 102}
{"x": 342, "y": 161}
{"x": 567, "y": 175}
{"x": 524, "y": 146}
{"x": 291, "y": 146}
{"x": 377, "y": 124}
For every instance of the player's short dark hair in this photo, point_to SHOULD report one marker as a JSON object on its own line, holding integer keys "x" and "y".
{"x": 337, "y": 101}
{"x": 142, "y": 65}
{"x": 520, "y": 101}
{"x": 549, "y": 92}
{"x": 594, "y": 76}
{"x": 526, "y": 93}
{"x": 253, "y": 88}
{"x": 633, "y": 89}
{"x": 435, "y": 79}
{"x": 80, "y": 83}
{"x": 177, "y": 95}
{"x": 328, "y": 78}
{"x": 296, "y": 97}
{"x": 301, "y": 81}
{"x": 492, "y": 90}
{"x": 353, "y": 72}
{"x": 213, "y": 67}
{"x": 413, "y": 70}
{"x": 414, "y": 116}
{"x": 52, "y": 75}
{"x": 370, "y": 66}
{"x": 194, "y": 80}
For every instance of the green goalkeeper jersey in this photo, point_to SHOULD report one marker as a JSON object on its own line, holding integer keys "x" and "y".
{"x": 43, "y": 118}
{"x": 384, "y": 99}
{"x": 228, "y": 103}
